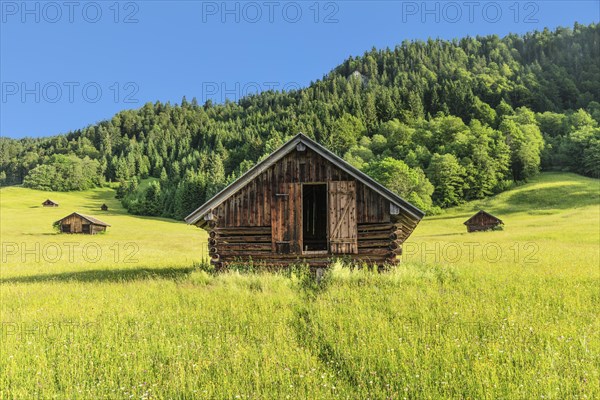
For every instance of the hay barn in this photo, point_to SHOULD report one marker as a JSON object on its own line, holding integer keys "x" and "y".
{"x": 482, "y": 221}
{"x": 79, "y": 223}
{"x": 304, "y": 203}
{"x": 49, "y": 203}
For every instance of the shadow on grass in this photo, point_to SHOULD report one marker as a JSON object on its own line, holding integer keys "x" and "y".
{"x": 534, "y": 200}
{"x": 562, "y": 197}
{"x": 105, "y": 275}
{"x": 461, "y": 233}
{"x": 115, "y": 209}
{"x": 463, "y": 215}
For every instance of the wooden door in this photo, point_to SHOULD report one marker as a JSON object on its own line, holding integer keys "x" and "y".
{"x": 343, "y": 236}
{"x": 286, "y": 219}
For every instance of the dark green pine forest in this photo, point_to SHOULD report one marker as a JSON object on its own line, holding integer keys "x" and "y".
{"x": 439, "y": 122}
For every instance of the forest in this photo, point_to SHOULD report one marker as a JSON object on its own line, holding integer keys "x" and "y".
{"x": 439, "y": 122}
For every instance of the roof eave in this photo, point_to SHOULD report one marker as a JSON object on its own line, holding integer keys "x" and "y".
{"x": 361, "y": 176}
{"x": 247, "y": 176}
{"x": 216, "y": 200}
{"x": 96, "y": 222}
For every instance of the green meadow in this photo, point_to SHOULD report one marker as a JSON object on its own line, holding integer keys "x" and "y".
{"x": 133, "y": 313}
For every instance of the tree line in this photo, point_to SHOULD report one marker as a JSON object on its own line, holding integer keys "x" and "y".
{"x": 439, "y": 122}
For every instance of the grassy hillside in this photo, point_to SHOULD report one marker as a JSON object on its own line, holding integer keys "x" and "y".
{"x": 551, "y": 227}
{"x": 130, "y": 243}
{"x": 524, "y": 326}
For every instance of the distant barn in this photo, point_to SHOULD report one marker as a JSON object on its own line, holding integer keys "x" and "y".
{"x": 79, "y": 223}
{"x": 304, "y": 203}
{"x": 104, "y": 207}
{"x": 482, "y": 221}
{"x": 49, "y": 203}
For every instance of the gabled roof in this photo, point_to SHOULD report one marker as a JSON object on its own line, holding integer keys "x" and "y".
{"x": 91, "y": 220}
{"x": 283, "y": 151}
{"x": 481, "y": 212}
{"x": 49, "y": 201}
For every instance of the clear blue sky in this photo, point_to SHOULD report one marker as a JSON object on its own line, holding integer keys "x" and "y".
{"x": 65, "y": 65}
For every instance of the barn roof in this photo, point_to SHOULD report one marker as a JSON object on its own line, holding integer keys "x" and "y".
{"x": 91, "y": 220}
{"x": 283, "y": 151}
{"x": 49, "y": 201}
{"x": 481, "y": 212}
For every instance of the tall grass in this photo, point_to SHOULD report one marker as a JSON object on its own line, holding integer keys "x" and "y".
{"x": 465, "y": 328}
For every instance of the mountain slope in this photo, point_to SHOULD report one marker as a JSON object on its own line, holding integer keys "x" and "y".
{"x": 493, "y": 110}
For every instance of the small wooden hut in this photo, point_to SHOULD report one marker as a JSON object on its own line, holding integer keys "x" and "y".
{"x": 79, "y": 223}
{"x": 104, "y": 207}
{"x": 49, "y": 203}
{"x": 482, "y": 221}
{"x": 304, "y": 203}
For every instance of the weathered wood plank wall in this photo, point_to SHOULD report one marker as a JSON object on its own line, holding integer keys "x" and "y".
{"x": 76, "y": 225}
{"x": 251, "y": 205}
{"x": 263, "y": 220}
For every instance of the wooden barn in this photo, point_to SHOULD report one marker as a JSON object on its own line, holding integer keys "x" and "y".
{"x": 79, "y": 223}
{"x": 49, "y": 203}
{"x": 104, "y": 207}
{"x": 482, "y": 221}
{"x": 304, "y": 203}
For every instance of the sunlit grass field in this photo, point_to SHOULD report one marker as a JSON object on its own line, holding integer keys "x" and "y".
{"x": 503, "y": 314}
{"x": 131, "y": 242}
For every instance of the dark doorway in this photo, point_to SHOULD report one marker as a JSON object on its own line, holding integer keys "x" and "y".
{"x": 314, "y": 217}
{"x": 85, "y": 228}
{"x": 65, "y": 228}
